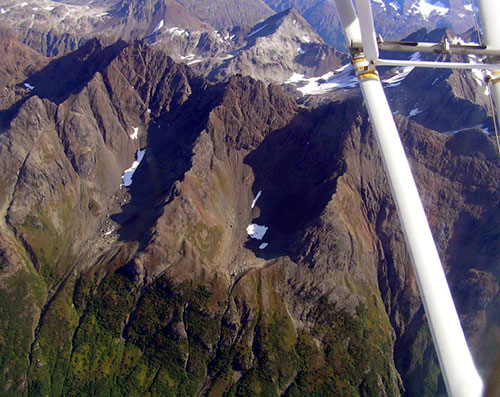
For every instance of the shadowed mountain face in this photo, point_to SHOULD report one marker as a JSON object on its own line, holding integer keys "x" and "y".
{"x": 156, "y": 288}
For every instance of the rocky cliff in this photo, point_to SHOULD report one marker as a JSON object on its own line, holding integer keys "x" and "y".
{"x": 158, "y": 288}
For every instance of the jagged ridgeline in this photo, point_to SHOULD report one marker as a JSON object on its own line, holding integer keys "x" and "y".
{"x": 156, "y": 288}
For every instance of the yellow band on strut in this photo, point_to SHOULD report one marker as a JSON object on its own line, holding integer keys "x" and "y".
{"x": 496, "y": 77}
{"x": 369, "y": 74}
{"x": 362, "y": 69}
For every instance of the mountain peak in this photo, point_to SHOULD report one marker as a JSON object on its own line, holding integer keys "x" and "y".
{"x": 287, "y": 23}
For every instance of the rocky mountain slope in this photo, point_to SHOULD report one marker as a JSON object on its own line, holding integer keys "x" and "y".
{"x": 56, "y": 27}
{"x": 17, "y": 62}
{"x": 271, "y": 51}
{"x": 256, "y": 250}
{"x": 224, "y": 14}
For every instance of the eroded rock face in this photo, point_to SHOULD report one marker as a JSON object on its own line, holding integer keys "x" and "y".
{"x": 157, "y": 287}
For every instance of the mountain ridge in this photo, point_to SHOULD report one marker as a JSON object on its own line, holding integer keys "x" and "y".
{"x": 164, "y": 291}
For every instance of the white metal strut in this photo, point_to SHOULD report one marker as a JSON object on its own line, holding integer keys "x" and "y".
{"x": 459, "y": 373}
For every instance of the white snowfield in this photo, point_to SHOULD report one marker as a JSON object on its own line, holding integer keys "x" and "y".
{"x": 256, "y": 231}
{"x": 129, "y": 173}
{"x": 341, "y": 78}
{"x": 427, "y": 9}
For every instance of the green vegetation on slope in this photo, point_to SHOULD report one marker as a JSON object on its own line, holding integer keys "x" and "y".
{"x": 21, "y": 299}
{"x": 105, "y": 337}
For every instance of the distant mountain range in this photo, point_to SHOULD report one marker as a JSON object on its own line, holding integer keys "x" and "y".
{"x": 394, "y": 19}
{"x": 56, "y": 27}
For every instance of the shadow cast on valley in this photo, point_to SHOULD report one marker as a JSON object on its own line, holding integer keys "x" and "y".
{"x": 297, "y": 169}
{"x": 169, "y": 151}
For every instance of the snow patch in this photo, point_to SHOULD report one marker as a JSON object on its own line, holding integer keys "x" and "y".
{"x": 23, "y": 4}
{"x": 194, "y": 62}
{"x": 187, "y": 57}
{"x": 256, "y": 198}
{"x": 426, "y": 9}
{"x": 3, "y": 10}
{"x": 263, "y": 245}
{"x": 158, "y": 27}
{"x": 381, "y": 3}
{"x": 479, "y": 127}
{"x": 135, "y": 135}
{"x": 295, "y": 78}
{"x": 402, "y": 73}
{"x": 300, "y": 51}
{"x": 148, "y": 110}
{"x": 306, "y": 39}
{"x": 29, "y": 86}
{"x": 395, "y": 6}
{"x": 256, "y": 31}
{"x": 458, "y": 40}
{"x": 478, "y": 74}
{"x": 178, "y": 32}
{"x": 256, "y": 231}
{"x": 468, "y": 7}
{"x": 129, "y": 173}
{"x": 414, "y": 112}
